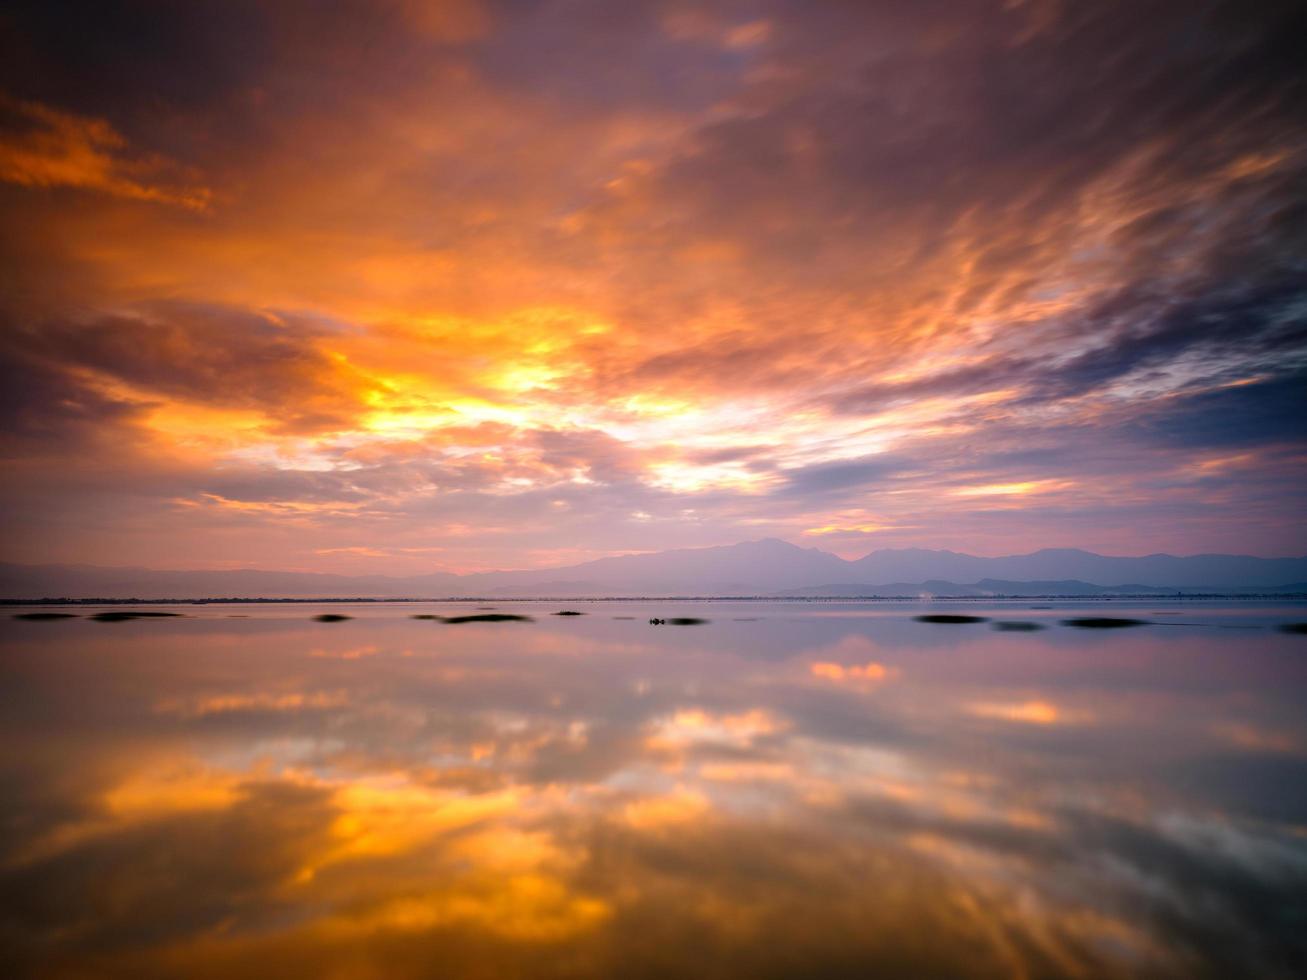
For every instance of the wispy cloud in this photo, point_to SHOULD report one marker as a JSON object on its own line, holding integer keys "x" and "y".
{"x": 517, "y": 285}
{"x": 42, "y": 147}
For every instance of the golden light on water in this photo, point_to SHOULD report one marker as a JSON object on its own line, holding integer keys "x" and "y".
{"x": 404, "y": 796}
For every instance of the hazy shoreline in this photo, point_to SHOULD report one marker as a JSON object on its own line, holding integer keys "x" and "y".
{"x": 1050, "y": 597}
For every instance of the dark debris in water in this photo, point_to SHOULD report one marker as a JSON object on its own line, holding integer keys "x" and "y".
{"x": 1103, "y": 623}
{"x": 1017, "y": 626}
{"x": 687, "y": 621}
{"x": 425, "y": 616}
{"x": 1293, "y": 627}
{"x": 489, "y": 618}
{"x": 950, "y": 618}
{"x": 332, "y": 618}
{"x": 39, "y": 616}
{"x": 568, "y": 612}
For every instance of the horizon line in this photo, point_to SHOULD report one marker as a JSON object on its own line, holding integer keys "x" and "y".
{"x": 1160, "y": 593}
{"x": 637, "y": 554}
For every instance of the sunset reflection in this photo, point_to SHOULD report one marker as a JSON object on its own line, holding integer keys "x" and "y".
{"x": 547, "y": 802}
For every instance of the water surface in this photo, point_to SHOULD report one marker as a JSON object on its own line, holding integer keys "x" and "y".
{"x": 789, "y": 789}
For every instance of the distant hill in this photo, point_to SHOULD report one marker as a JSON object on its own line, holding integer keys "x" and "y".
{"x": 997, "y": 587}
{"x": 848, "y": 590}
{"x": 752, "y": 568}
{"x": 1056, "y": 564}
{"x": 749, "y": 568}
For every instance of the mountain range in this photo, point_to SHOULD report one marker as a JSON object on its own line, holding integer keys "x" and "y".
{"x": 769, "y": 567}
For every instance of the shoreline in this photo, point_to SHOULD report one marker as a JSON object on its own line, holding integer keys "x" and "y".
{"x": 360, "y": 600}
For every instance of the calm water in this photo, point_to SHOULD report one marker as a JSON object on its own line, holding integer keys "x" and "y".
{"x": 789, "y": 790}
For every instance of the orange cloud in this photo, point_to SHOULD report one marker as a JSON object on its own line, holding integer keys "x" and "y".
{"x": 218, "y": 704}
{"x": 1033, "y": 712}
{"x": 871, "y": 672}
{"x": 51, "y": 148}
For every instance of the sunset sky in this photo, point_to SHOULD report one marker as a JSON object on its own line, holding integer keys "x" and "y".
{"x": 408, "y": 285}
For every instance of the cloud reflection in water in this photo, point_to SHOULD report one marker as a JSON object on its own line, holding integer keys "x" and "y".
{"x": 803, "y": 794}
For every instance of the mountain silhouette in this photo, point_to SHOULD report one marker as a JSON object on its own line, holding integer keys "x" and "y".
{"x": 753, "y": 568}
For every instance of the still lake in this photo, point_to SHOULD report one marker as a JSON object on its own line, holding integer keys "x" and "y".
{"x": 791, "y": 789}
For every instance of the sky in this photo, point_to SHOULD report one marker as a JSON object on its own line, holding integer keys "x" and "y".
{"x": 411, "y": 285}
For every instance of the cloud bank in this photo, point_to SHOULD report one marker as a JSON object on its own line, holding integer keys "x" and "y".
{"x": 470, "y": 285}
